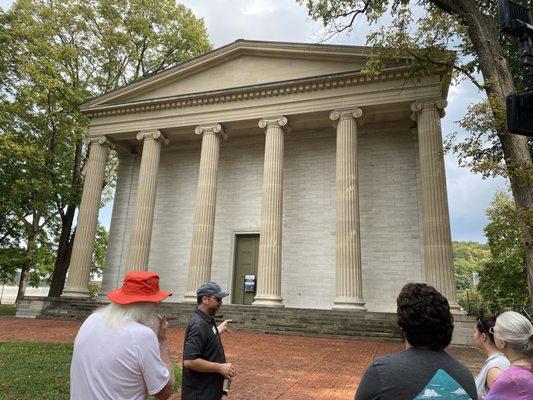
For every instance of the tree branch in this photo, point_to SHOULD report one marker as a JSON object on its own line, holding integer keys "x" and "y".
{"x": 463, "y": 70}
{"x": 353, "y": 14}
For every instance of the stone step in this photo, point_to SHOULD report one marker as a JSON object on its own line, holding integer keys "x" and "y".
{"x": 284, "y": 321}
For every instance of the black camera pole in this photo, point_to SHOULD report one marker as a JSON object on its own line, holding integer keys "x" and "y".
{"x": 517, "y": 21}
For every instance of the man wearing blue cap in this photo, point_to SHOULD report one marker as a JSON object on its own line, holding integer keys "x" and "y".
{"x": 204, "y": 361}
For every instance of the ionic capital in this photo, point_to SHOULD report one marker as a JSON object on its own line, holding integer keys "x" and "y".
{"x": 280, "y": 121}
{"x": 426, "y": 105}
{"x": 152, "y": 135}
{"x": 354, "y": 112}
{"x": 210, "y": 129}
{"x": 101, "y": 140}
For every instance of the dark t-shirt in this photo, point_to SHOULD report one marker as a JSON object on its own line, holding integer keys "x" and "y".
{"x": 416, "y": 374}
{"x": 202, "y": 341}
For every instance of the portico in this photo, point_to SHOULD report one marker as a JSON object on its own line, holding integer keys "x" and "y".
{"x": 340, "y": 174}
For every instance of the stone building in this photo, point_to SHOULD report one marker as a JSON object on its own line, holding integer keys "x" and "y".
{"x": 278, "y": 164}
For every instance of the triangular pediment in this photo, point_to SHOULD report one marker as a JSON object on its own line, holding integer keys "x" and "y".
{"x": 240, "y": 64}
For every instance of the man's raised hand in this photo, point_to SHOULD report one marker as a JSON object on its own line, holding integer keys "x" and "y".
{"x": 224, "y": 326}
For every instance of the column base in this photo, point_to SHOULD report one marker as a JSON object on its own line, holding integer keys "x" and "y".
{"x": 268, "y": 301}
{"x": 349, "y": 303}
{"x": 77, "y": 293}
{"x": 190, "y": 297}
{"x": 455, "y": 309}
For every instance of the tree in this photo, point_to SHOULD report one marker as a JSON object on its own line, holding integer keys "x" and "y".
{"x": 503, "y": 279}
{"x": 26, "y": 192}
{"x": 99, "y": 250}
{"x": 97, "y": 264}
{"x": 56, "y": 55}
{"x": 468, "y": 258}
{"x": 470, "y": 29}
{"x": 11, "y": 260}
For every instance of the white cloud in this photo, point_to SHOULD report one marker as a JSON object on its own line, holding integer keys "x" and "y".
{"x": 428, "y": 393}
{"x": 6, "y": 4}
{"x": 257, "y": 7}
{"x": 468, "y": 197}
{"x": 275, "y": 20}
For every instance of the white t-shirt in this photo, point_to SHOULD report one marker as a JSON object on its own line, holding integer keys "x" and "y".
{"x": 116, "y": 364}
{"x": 497, "y": 360}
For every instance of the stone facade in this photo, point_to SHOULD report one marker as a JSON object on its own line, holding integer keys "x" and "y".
{"x": 320, "y": 160}
{"x": 391, "y": 243}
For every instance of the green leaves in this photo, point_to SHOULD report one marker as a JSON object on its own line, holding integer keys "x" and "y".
{"x": 11, "y": 260}
{"x": 503, "y": 279}
{"x": 468, "y": 257}
{"x": 54, "y": 56}
{"x": 99, "y": 250}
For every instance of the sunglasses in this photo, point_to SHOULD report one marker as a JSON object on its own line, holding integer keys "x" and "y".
{"x": 218, "y": 299}
{"x": 479, "y": 323}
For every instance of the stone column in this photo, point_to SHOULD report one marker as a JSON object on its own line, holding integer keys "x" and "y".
{"x": 204, "y": 216}
{"x": 438, "y": 255}
{"x": 82, "y": 250}
{"x": 269, "y": 262}
{"x": 349, "y": 276}
{"x": 141, "y": 231}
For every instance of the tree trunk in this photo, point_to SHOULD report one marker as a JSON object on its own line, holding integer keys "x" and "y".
{"x": 25, "y": 271}
{"x": 64, "y": 249}
{"x": 23, "y": 282}
{"x": 66, "y": 239}
{"x": 499, "y": 82}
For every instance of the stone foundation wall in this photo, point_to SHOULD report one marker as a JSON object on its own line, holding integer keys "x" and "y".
{"x": 286, "y": 321}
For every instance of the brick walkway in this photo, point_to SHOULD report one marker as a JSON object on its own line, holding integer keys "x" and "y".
{"x": 268, "y": 366}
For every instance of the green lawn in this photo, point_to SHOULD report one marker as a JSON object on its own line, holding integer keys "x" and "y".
{"x": 6, "y": 309}
{"x": 30, "y": 371}
{"x": 34, "y": 371}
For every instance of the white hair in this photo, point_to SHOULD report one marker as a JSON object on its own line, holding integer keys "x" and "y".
{"x": 116, "y": 315}
{"x": 517, "y": 331}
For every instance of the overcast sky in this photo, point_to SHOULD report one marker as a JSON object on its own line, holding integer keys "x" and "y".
{"x": 285, "y": 20}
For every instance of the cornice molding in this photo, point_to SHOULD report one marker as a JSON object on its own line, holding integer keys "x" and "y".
{"x": 274, "y": 89}
{"x": 232, "y": 50}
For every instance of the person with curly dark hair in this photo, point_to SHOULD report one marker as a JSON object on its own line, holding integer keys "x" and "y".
{"x": 423, "y": 370}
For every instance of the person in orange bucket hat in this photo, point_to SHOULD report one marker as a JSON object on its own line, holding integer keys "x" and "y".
{"x": 121, "y": 350}
{"x": 139, "y": 286}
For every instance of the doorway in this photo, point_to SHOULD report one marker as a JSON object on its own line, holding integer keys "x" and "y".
{"x": 245, "y": 268}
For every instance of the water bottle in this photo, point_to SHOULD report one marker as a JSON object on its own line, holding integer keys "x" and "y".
{"x": 226, "y": 387}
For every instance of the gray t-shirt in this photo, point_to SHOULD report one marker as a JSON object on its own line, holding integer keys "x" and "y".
{"x": 416, "y": 374}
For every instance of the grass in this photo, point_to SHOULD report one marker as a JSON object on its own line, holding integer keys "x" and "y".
{"x": 34, "y": 371}
{"x": 30, "y": 371}
{"x": 6, "y": 309}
